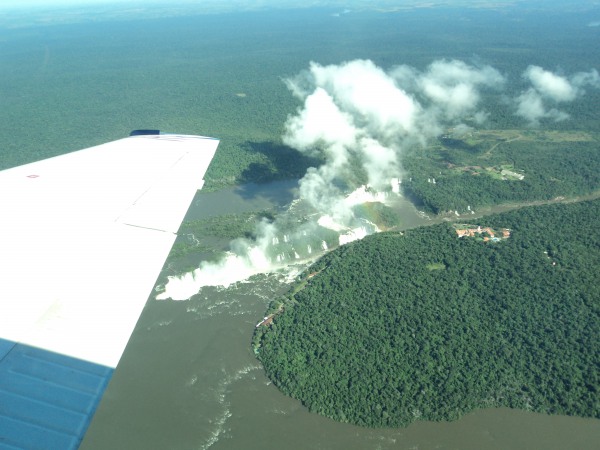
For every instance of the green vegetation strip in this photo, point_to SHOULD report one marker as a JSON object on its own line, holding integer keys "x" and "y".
{"x": 373, "y": 336}
{"x": 499, "y": 166}
{"x": 198, "y": 236}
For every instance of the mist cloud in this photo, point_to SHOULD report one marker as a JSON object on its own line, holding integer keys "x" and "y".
{"x": 454, "y": 86}
{"x": 356, "y": 111}
{"x": 366, "y": 92}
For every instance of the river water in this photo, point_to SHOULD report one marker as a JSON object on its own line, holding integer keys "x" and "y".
{"x": 189, "y": 379}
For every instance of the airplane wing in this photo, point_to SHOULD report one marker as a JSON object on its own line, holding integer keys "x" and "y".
{"x": 83, "y": 237}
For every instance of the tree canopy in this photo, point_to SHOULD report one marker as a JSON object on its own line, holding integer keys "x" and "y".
{"x": 426, "y": 325}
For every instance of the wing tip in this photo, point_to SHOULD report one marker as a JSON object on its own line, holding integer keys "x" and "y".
{"x": 144, "y": 133}
{"x": 156, "y": 133}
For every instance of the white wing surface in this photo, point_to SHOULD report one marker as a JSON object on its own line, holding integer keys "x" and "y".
{"x": 83, "y": 237}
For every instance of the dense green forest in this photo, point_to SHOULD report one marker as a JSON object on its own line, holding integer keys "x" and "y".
{"x": 490, "y": 167}
{"x": 425, "y": 325}
{"x": 70, "y": 86}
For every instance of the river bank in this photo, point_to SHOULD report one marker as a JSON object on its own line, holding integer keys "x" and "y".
{"x": 189, "y": 378}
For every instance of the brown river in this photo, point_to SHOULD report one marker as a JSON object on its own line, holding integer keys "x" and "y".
{"x": 189, "y": 379}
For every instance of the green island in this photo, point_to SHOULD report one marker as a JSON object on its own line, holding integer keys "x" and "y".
{"x": 211, "y": 235}
{"x": 427, "y": 325}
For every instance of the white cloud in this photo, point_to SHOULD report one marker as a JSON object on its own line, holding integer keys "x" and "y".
{"x": 454, "y": 85}
{"x": 450, "y": 89}
{"x": 583, "y": 79}
{"x": 550, "y": 85}
{"x": 377, "y": 160}
{"x": 367, "y": 92}
{"x": 530, "y": 105}
{"x": 321, "y": 122}
{"x": 549, "y": 89}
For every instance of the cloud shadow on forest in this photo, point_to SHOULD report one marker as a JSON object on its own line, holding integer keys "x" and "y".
{"x": 281, "y": 163}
